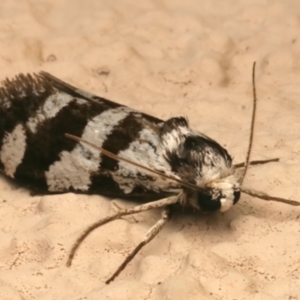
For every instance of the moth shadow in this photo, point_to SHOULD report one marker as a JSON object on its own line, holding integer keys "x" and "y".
{"x": 194, "y": 223}
{"x": 11, "y": 182}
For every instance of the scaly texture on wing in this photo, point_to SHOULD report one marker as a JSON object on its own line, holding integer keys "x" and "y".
{"x": 35, "y": 113}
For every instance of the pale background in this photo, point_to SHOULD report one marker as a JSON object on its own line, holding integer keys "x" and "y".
{"x": 166, "y": 58}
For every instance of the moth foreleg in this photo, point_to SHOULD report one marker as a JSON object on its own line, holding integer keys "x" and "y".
{"x": 257, "y": 162}
{"x": 267, "y": 197}
{"x": 129, "y": 211}
{"x": 150, "y": 235}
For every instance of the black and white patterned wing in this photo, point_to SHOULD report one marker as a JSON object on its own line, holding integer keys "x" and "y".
{"x": 35, "y": 113}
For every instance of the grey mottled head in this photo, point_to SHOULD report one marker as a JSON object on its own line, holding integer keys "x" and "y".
{"x": 199, "y": 160}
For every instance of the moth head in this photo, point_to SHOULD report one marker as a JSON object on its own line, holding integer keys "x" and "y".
{"x": 199, "y": 160}
{"x": 220, "y": 194}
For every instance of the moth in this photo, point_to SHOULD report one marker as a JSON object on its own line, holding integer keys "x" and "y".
{"x": 56, "y": 138}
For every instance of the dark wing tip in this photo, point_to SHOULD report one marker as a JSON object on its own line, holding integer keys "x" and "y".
{"x": 24, "y": 85}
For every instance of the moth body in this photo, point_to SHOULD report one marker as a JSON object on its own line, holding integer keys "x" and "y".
{"x": 36, "y": 111}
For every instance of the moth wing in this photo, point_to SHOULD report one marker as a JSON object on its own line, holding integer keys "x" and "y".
{"x": 37, "y": 110}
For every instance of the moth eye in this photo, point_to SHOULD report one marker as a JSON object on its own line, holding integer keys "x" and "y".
{"x": 207, "y": 203}
{"x": 237, "y": 195}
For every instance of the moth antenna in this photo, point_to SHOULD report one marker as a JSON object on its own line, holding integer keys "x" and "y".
{"x": 257, "y": 162}
{"x": 251, "y": 192}
{"x": 129, "y": 211}
{"x": 267, "y": 197}
{"x": 252, "y": 125}
{"x": 150, "y": 235}
{"x": 119, "y": 158}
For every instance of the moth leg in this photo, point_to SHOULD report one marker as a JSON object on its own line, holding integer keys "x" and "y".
{"x": 267, "y": 197}
{"x": 118, "y": 207}
{"x": 150, "y": 235}
{"x": 257, "y": 162}
{"x": 129, "y": 211}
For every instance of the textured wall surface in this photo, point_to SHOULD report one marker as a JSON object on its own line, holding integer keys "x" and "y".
{"x": 166, "y": 58}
